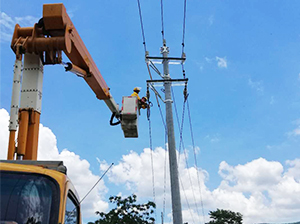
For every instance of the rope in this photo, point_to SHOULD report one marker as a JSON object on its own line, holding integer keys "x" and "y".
{"x": 195, "y": 158}
{"x": 181, "y": 143}
{"x": 162, "y": 20}
{"x": 142, "y": 25}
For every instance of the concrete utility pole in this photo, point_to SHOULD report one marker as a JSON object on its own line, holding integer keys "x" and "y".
{"x": 175, "y": 190}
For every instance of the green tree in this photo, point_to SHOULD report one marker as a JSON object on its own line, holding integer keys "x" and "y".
{"x": 225, "y": 217}
{"x": 127, "y": 211}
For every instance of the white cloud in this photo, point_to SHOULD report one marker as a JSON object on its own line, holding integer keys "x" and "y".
{"x": 213, "y": 139}
{"x": 262, "y": 190}
{"x": 296, "y": 131}
{"x": 253, "y": 189}
{"x": 209, "y": 60}
{"x": 78, "y": 168}
{"x": 258, "y": 86}
{"x": 257, "y": 175}
{"x": 8, "y": 25}
{"x": 272, "y": 190}
{"x": 222, "y": 62}
{"x": 293, "y": 171}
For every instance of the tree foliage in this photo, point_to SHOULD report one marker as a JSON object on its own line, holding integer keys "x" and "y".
{"x": 221, "y": 216}
{"x": 127, "y": 211}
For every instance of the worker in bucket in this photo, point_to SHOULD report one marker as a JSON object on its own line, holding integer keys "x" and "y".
{"x": 136, "y": 92}
{"x": 142, "y": 102}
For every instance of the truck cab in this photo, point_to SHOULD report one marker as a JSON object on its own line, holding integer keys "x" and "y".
{"x": 37, "y": 192}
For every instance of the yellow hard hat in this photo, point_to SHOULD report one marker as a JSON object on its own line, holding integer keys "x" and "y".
{"x": 137, "y": 89}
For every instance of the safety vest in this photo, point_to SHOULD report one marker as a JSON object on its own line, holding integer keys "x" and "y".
{"x": 136, "y": 95}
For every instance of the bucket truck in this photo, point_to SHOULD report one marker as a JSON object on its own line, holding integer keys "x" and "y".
{"x": 39, "y": 191}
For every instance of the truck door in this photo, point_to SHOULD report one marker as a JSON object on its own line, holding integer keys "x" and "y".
{"x": 72, "y": 212}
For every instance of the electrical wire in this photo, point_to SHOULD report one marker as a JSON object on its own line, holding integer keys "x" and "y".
{"x": 162, "y": 20}
{"x": 165, "y": 175}
{"x": 183, "y": 26}
{"x": 187, "y": 202}
{"x": 152, "y": 166}
{"x": 150, "y": 136}
{"x": 142, "y": 25}
{"x": 181, "y": 143}
{"x": 195, "y": 158}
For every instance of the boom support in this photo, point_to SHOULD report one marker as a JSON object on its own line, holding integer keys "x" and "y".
{"x": 43, "y": 44}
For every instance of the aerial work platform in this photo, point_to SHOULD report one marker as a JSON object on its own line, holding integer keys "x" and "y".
{"x": 130, "y": 114}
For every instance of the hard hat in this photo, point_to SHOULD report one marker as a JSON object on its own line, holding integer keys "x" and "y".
{"x": 137, "y": 89}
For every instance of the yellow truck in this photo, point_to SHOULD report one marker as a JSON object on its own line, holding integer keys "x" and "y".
{"x": 37, "y": 192}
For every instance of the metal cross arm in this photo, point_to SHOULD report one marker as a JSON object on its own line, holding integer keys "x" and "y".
{"x": 169, "y": 80}
{"x": 165, "y": 58}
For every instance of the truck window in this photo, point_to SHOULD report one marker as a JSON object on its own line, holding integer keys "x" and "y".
{"x": 71, "y": 214}
{"x": 28, "y": 198}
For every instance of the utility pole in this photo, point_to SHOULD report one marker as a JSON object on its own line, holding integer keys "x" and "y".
{"x": 175, "y": 190}
{"x": 167, "y": 82}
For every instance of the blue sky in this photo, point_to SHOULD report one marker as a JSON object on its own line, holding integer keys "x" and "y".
{"x": 243, "y": 65}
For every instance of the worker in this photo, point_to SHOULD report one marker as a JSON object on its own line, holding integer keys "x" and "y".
{"x": 142, "y": 102}
{"x": 135, "y": 93}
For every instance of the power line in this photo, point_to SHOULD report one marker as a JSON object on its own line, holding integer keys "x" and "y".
{"x": 195, "y": 158}
{"x": 187, "y": 202}
{"x": 152, "y": 166}
{"x": 150, "y": 136}
{"x": 162, "y": 20}
{"x": 183, "y": 28}
{"x": 165, "y": 176}
{"x": 181, "y": 143}
{"x": 142, "y": 25}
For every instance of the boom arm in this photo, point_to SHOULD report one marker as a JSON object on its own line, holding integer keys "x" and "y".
{"x": 55, "y": 33}
{"x": 52, "y": 35}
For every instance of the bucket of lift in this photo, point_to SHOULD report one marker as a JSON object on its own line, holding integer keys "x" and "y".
{"x": 129, "y": 114}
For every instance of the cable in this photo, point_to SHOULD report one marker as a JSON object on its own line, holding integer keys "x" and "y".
{"x": 165, "y": 175}
{"x": 187, "y": 202}
{"x": 162, "y": 20}
{"x": 183, "y": 28}
{"x": 150, "y": 136}
{"x": 97, "y": 182}
{"x": 182, "y": 143}
{"x": 180, "y": 127}
{"x": 142, "y": 25}
{"x": 195, "y": 158}
{"x": 152, "y": 166}
{"x": 158, "y": 104}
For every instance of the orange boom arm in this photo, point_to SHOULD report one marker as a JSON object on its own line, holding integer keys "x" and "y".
{"x": 43, "y": 44}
